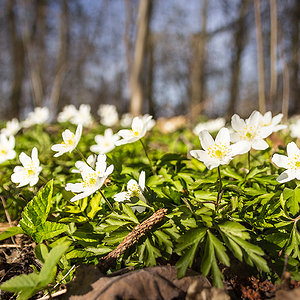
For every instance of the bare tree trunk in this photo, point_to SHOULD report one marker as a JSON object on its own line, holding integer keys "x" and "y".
{"x": 33, "y": 64}
{"x": 127, "y": 36}
{"x": 137, "y": 95}
{"x": 61, "y": 58}
{"x": 286, "y": 81}
{"x": 18, "y": 60}
{"x": 149, "y": 84}
{"x": 198, "y": 66}
{"x": 295, "y": 56}
{"x": 273, "y": 52}
{"x": 260, "y": 59}
{"x": 239, "y": 46}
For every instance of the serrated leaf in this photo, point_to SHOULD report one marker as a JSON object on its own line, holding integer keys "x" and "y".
{"x": 186, "y": 260}
{"x": 217, "y": 274}
{"x": 208, "y": 257}
{"x": 36, "y": 211}
{"x": 220, "y": 250}
{"x": 235, "y": 229}
{"x": 10, "y": 232}
{"x": 193, "y": 236}
{"x": 49, "y": 230}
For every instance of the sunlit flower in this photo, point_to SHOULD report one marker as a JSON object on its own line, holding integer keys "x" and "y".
{"x": 7, "y": 145}
{"x": 210, "y": 126}
{"x": 250, "y": 131}
{"x": 91, "y": 161}
{"x": 126, "y": 120}
{"x": 70, "y": 141}
{"x": 134, "y": 189}
{"x": 267, "y": 120}
{"x": 108, "y": 114}
{"x": 40, "y": 115}
{"x": 290, "y": 162}
{"x": 92, "y": 180}
{"x": 12, "y": 127}
{"x": 140, "y": 125}
{"x": 218, "y": 152}
{"x": 29, "y": 173}
{"x": 67, "y": 114}
{"x": 295, "y": 129}
{"x": 149, "y": 121}
{"x": 106, "y": 142}
{"x": 83, "y": 116}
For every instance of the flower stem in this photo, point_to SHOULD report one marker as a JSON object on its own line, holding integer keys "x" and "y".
{"x": 43, "y": 179}
{"x": 150, "y": 162}
{"x": 220, "y": 189}
{"x": 82, "y": 156}
{"x": 249, "y": 161}
{"x": 106, "y": 200}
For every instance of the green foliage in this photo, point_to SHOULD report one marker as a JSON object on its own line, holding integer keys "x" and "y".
{"x": 28, "y": 285}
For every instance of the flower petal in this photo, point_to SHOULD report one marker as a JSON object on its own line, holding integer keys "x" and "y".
{"x": 206, "y": 139}
{"x": 142, "y": 180}
{"x": 223, "y": 136}
{"x": 280, "y": 161}
{"x": 240, "y": 148}
{"x": 237, "y": 123}
{"x": 292, "y": 149}
{"x": 259, "y": 144}
{"x": 285, "y": 177}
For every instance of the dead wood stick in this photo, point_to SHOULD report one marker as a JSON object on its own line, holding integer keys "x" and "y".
{"x": 132, "y": 237}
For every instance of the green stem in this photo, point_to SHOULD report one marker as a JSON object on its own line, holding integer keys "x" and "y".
{"x": 220, "y": 189}
{"x": 249, "y": 160}
{"x": 43, "y": 179}
{"x": 82, "y": 156}
{"x": 150, "y": 162}
{"x": 106, "y": 200}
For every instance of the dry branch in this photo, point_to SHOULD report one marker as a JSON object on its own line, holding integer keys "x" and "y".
{"x": 132, "y": 237}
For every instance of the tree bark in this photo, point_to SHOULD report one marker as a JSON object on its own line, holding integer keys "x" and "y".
{"x": 260, "y": 59}
{"x": 273, "y": 52}
{"x": 239, "y": 46}
{"x": 198, "y": 66}
{"x": 137, "y": 94}
{"x": 18, "y": 60}
{"x": 61, "y": 58}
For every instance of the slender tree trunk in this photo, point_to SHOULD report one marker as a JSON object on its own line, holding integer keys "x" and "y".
{"x": 198, "y": 66}
{"x": 18, "y": 60}
{"x": 260, "y": 59}
{"x": 61, "y": 58}
{"x": 273, "y": 52}
{"x": 239, "y": 46}
{"x": 295, "y": 45}
{"x": 151, "y": 67}
{"x": 137, "y": 94}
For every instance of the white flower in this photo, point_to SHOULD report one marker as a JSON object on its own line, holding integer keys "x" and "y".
{"x": 126, "y": 120}
{"x": 250, "y": 131}
{"x": 70, "y": 141}
{"x": 12, "y": 127}
{"x": 134, "y": 189}
{"x": 295, "y": 129}
{"x": 40, "y": 115}
{"x": 92, "y": 180}
{"x": 91, "y": 161}
{"x": 218, "y": 152}
{"x": 150, "y": 123}
{"x": 210, "y": 126}
{"x": 7, "y": 145}
{"x": 140, "y": 125}
{"x": 106, "y": 142}
{"x": 29, "y": 173}
{"x": 290, "y": 162}
{"x": 83, "y": 116}
{"x": 68, "y": 112}
{"x": 267, "y": 120}
{"x": 108, "y": 114}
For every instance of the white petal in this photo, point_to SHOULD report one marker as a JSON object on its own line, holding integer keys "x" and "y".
{"x": 259, "y": 144}
{"x": 24, "y": 159}
{"x": 109, "y": 170}
{"x": 206, "y": 139}
{"x": 67, "y": 134}
{"x": 200, "y": 155}
{"x": 80, "y": 196}
{"x": 223, "y": 136}
{"x": 78, "y": 133}
{"x": 285, "y": 177}
{"x": 277, "y": 119}
{"x": 34, "y": 155}
{"x": 237, "y": 123}
{"x": 280, "y": 161}
{"x": 121, "y": 196}
{"x": 254, "y": 118}
{"x": 74, "y": 187}
{"x": 292, "y": 149}
{"x": 265, "y": 131}
{"x": 240, "y": 148}
{"x": 142, "y": 179}
{"x": 212, "y": 164}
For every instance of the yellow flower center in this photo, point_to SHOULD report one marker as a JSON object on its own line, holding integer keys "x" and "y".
{"x": 248, "y": 133}
{"x": 89, "y": 181}
{"x": 297, "y": 164}
{"x": 218, "y": 151}
{"x": 71, "y": 141}
{"x": 3, "y": 151}
{"x": 136, "y": 133}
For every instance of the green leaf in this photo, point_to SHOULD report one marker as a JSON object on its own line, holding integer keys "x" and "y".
{"x": 193, "y": 236}
{"x": 36, "y": 211}
{"x": 41, "y": 252}
{"x": 208, "y": 256}
{"x": 186, "y": 260}
{"x": 94, "y": 206}
{"x": 49, "y": 230}
{"x": 10, "y": 232}
{"x": 220, "y": 250}
{"x": 235, "y": 229}
{"x": 100, "y": 250}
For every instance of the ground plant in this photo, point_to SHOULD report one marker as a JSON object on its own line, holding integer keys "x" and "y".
{"x": 77, "y": 190}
